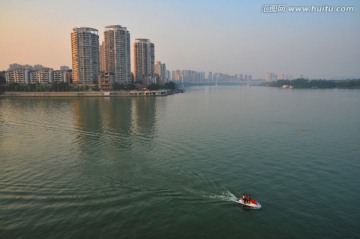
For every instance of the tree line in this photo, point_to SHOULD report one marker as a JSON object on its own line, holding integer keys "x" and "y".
{"x": 302, "y": 83}
{"x": 63, "y": 87}
{"x": 58, "y": 87}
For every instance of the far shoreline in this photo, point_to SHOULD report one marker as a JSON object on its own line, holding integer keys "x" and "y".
{"x": 135, "y": 93}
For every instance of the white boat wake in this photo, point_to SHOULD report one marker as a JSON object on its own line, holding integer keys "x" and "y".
{"x": 226, "y": 196}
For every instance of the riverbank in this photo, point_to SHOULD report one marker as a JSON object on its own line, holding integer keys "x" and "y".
{"x": 315, "y": 84}
{"x": 135, "y": 93}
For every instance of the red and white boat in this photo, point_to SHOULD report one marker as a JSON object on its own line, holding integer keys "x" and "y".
{"x": 250, "y": 204}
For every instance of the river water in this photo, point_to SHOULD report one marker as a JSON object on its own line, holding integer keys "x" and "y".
{"x": 172, "y": 167}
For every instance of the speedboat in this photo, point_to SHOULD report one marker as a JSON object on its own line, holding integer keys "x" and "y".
{"x": 250, "y": 204}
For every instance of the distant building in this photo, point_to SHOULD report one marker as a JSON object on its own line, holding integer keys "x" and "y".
{"x": 280, "y": 76}
{"x": 271, "y": 76}
{"x": 44, "y": 76}
{"x": 38, "y": 74}
{"x": 25, "y": 76}
{"x": 16, "y": 66}
{"x": 188, "y": 76}
{"x": 39, "y": 67}
{"x": 160, "y": 70}
{"x": 64, "y": 68}
{"x": 284, "y": 76}
{"x": 168, "y": 75}
{"x": 144, "y": 59}
{"x": 210, "y": 77}
{"x": 106, "y": 80}
{"x": 62, "y": 76}
{"x": 117, "y": 53}
{"x": 85, "y": 55}
{"x": 20, "y": 76}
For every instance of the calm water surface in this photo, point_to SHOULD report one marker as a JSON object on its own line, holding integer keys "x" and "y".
{"x": 172, "y": 167}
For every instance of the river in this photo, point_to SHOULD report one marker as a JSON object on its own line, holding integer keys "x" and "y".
{"x": 173, "y": 167}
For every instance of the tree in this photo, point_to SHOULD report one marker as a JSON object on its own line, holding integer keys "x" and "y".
{"x": 154, "y": 87}
{"x": 116, "y": 86}
{"x": 96, "y": 88}
{"x": 170, "y": 85}
{"x": 2, "y": 82}
{"x": 2, "y": 78}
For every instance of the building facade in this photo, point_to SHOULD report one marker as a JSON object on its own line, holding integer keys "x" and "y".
{"x": 116, "y": 53}
{"x": 27, "y": 74}
{"x": 160, "y": 70}
{"x": 188, "y": 76}
{"x": 43, "y": 76}
{"x": 106, "y": 80}
{"x": 62, "y": 76}
{"x": 144, "y": 59}
{"x": 85, "y": 55}
{"x": 271, "y": 76}
{"x": 20, "y": 76}
{"x": 102, "y": 57}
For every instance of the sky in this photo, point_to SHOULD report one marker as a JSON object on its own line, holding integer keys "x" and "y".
{"x": 228, "y": 36}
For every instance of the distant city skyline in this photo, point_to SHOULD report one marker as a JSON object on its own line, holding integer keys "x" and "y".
{"x": 213, "y": 36}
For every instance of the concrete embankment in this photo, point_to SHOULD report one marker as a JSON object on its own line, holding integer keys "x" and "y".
{"x": 63, "y": 94}
{"x": 84, "y": 94}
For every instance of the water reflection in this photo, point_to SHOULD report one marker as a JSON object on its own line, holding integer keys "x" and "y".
{"x": 88, "y": 119}
{"x": 114, "y": 122}
{"x": 143, "y": 116}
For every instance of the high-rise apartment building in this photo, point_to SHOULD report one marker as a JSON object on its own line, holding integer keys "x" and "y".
{"x": 144, "y": 59}
{"x": 116, "y": 50}
{"x": 160, "y": 70}
{"x": 271, "y": 76}
{"x": 102, "y": 57}
{"x": 85, "y": 55}
{"x": 210, "y": 77}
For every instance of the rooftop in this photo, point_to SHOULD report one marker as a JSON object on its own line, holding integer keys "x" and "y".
{"x": 85, "y": 29}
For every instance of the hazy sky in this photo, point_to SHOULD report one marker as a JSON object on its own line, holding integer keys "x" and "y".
{"x": 229, "y": 36}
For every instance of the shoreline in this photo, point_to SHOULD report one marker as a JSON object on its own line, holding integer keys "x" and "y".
{"x": 148, "y": 93}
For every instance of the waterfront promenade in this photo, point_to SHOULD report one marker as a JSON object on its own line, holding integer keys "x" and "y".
{"x": 134, "y": 93}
